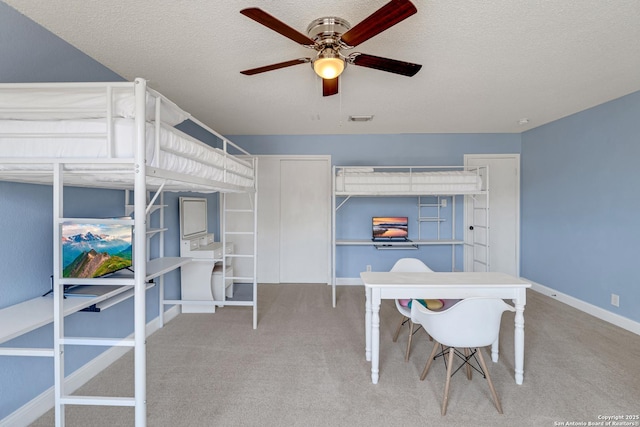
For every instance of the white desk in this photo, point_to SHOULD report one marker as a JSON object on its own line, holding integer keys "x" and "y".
{"x": 379, "y": 286}
{"x": 26, "y": 316}
{"x": 200, "y": 288}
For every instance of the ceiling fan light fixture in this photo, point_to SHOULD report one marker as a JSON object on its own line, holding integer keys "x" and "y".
{"x": 330, "y": 36}
{"x": 328, "y": 64}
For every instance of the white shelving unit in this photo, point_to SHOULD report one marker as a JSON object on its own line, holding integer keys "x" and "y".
{"x": 434, "y": 187}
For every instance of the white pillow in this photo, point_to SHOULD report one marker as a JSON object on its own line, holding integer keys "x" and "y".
{"x": 50, "y": 104}
{"x": 170, "y": 113}
{"x": 355, "y": 170}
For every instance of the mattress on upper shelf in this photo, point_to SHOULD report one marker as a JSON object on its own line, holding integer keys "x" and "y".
{"x": 365, "y": 180}
{"x": 35, "y": 103}
{"x": 86, "y": 139}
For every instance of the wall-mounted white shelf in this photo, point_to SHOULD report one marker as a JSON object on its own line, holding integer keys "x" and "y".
{"x": 387, "y": 247}
{"x": 29, "y": 315}
{"x": 411, "y": 243}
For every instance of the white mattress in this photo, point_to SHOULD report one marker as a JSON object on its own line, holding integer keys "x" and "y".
{"x": 352, "y": 181}
{"x": 178, "y": 153}
{"x": 81, "y": 102}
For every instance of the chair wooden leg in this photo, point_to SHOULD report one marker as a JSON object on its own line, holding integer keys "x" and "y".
{"x": 395, "y": 336}
{"x": 429, "y": 360}
{"x": 445, "y": 400}
{"x": 493, "y": 390}
{"x": 466, "y": 354}
{"x": 406, "y": 356}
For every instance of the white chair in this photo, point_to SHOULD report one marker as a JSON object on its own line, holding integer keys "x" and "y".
{"x": 470, "y": 324}
{"x": 407, "y": 265}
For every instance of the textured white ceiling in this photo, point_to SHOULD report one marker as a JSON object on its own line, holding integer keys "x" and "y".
{"x": 486, "y": 64}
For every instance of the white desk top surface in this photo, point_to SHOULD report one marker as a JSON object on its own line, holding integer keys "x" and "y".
{"x": 21, "y": 318}
{"x": 375, "y": 279}
{"x": 26, "y": 316}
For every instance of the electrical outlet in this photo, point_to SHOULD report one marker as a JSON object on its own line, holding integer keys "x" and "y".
{"x": 615, "y": 300}
{"x": 368, "y": 268}
{"x": 443, "y": 203}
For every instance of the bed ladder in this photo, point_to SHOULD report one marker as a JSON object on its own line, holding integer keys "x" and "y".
{"x": 241, "y": 207}
{"x": 431, "y": 218}
{"x": 241, "y": 210}
{"x": 429, "y": 211}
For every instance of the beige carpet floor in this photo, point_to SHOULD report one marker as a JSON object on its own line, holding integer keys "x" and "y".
{"x": 305, "y": 366}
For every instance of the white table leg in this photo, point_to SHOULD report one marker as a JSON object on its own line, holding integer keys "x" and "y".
{"x": 518, "y": 339}
{"x": 375, "y": 337}
{"x": 367, "y": 324}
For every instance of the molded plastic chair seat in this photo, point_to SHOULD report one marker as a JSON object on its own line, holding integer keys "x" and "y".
{"x": 470, "y": 324}
{"x": 412, "y": 265}
{"x": 407, "y": 265}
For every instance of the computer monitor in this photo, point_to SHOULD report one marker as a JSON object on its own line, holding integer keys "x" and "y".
{"x": 390, "y": 227}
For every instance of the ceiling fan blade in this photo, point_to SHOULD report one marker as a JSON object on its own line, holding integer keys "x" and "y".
{"x": 276, "y": 25}
{"x": 329, "y": 86}
{"x": 385, "y": 64}
{"x": 277, "y": 66}
{"x": 385, "y": 17}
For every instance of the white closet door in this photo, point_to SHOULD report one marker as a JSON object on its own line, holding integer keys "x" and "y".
{"x": 504, "y": 209}
{"x": 304, "y": 220}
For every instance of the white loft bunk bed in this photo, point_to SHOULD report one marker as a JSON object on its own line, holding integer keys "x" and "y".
{"x": 419, "y": 181}
{"x": 115, "y": 136}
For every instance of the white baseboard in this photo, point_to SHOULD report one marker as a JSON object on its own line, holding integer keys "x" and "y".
{"x": 38, "y": 406}
{"x": 349, "y": 281}
{"x": 600, "y": 313}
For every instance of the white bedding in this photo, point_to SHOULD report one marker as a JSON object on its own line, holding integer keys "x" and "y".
{"x": 88, "y": 102}
{"x": 178, "y": 152}
{"x": 353, "y": 181}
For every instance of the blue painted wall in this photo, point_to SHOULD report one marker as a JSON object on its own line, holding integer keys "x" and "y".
{"x": 404, "y": 149}
{"x": 580, "y": 205}
{"x": 353, "y": 220}
{"x": 30, "y": 53}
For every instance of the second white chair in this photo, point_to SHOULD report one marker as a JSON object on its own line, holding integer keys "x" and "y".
{"x": 407, "y": 265}
{"x": 470, "y": 324}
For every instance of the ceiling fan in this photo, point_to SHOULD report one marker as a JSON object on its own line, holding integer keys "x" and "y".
{"x": 330, "y": 36}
